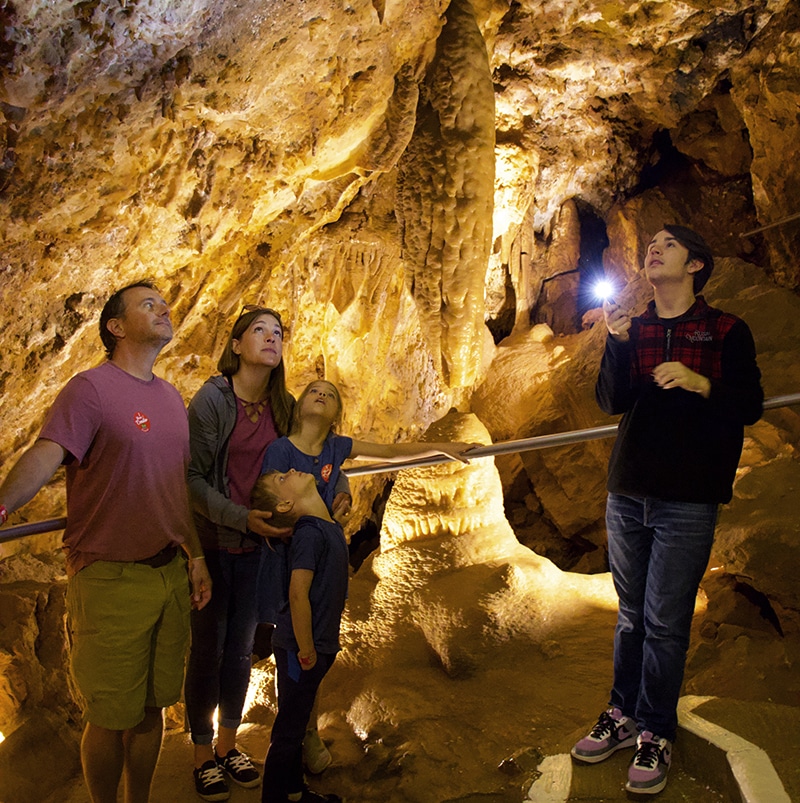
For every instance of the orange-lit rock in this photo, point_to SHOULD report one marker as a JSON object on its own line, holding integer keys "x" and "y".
{"x": 406, "y": 201}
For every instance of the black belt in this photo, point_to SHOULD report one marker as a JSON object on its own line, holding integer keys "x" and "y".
{"x": 162, "y": 558}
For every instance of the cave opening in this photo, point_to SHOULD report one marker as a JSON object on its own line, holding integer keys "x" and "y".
{"x": 502, "y": 323}
{"x": 666, "y": 165}
{"x": 594, "y": 241}
{"x": 719, "y": 205}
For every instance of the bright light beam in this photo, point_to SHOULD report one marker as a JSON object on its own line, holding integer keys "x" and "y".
{"x": 604, "y": 290}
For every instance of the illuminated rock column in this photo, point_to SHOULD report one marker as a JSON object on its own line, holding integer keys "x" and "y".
{"x": 445, "y": 196}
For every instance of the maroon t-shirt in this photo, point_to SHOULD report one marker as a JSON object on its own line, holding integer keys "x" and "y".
{"x": 127, "y": 443}
{"x": 246, "y": 448}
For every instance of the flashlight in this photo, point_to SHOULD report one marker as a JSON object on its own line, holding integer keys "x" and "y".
{"x": 604, "y": 290}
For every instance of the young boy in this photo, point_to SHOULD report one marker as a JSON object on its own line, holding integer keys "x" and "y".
{"x": 306, "y": 637}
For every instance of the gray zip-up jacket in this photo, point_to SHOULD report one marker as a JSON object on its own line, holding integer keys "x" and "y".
{"x": 220, "y": 522}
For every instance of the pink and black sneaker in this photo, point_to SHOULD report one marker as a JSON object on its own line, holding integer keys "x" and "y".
{"x": 613, "y": 732}
{"x": 647, "y": 774}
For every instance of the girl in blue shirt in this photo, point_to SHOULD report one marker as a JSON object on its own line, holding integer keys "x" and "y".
{"x": 313, "y": 446}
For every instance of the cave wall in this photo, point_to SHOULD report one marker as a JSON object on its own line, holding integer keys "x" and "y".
{"x": 279, "y": 151}
{"x": 406, "y": 182}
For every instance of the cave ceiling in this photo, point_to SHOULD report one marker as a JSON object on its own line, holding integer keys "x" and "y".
{"x": 420, "y": 187}
{"x": 392, "y": 175}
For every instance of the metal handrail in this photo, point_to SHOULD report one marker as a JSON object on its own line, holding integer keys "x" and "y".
{"x": 503, "y": 447}
{"x": 528, "y": 444}
{"x": 32, "y": 528}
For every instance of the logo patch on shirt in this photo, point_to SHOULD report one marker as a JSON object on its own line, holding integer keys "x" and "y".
{"x": 699, "y": 337}
{"x": 325, "y": 473}
{"x": 141, "y": 421}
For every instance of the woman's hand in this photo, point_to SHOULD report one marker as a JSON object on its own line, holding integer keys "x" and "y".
{"x": 258, "y": 522}
{"x": 618, "y": 322}
{"x": 670, "y": 375}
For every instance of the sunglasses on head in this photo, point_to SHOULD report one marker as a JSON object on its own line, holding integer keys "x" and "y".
{"x": 258, "y": 308}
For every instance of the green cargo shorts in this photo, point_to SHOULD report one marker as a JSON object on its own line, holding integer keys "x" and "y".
{"x": 129, "y": 630}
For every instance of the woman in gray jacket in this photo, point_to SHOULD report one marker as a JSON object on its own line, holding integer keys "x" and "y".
{"x": 232, "y": 420}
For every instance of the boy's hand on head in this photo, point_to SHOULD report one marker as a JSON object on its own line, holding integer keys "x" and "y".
{"x": 307, "y": 660}
{"x": 258, "y": 522}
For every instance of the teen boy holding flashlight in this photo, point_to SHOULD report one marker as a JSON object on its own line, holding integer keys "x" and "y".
{"x": 685, "y": 378}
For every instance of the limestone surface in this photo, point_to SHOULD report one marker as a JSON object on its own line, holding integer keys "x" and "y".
{"x": 425, "y": 189}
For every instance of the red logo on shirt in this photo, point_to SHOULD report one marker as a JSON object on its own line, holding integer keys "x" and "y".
{"x": 141, "y": 421}
{"x": 325, "y": 473}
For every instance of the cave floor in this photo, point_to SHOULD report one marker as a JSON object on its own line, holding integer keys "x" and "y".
{"x": 766, "y": 726}
{"x": 699, "y": 773}
{"x": 481, "y": 738}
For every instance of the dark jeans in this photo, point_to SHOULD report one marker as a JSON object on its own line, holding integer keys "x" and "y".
{"x": 218, "y": 671}
{"x": 297, "y": 688}
{"x": 658, "y": 552}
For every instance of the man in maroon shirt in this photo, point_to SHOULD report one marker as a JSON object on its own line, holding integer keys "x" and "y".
{"x": 122, "y": 434}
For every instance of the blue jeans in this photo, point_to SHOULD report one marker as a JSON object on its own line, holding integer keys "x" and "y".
{"x": 658, "y": 552}
{"x": 297, "y": 689}
{"x": 218, "y": 672}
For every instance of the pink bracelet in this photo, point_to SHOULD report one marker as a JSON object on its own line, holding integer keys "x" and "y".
{"x": 3, "y": 514}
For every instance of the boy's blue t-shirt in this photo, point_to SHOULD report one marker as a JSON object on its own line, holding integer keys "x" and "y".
{"x": 282, "y": 454}
{"x": 319, "y": 546}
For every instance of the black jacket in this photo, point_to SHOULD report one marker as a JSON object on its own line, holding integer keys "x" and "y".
{"x": 674, "y": 444}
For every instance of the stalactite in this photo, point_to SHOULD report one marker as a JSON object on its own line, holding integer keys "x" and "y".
{"x": 445, "y": 192}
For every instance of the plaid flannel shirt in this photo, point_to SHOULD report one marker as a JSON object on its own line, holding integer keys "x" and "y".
{"x": 695, "y": 339}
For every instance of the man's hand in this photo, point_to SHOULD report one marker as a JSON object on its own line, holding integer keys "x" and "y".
{"x": 258, "y": 522}
{"x": 618, "y": 322}
{"x": 33, "y": 470}
{"x": 670, "y": 375}
{"x": 201, "y": 582}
